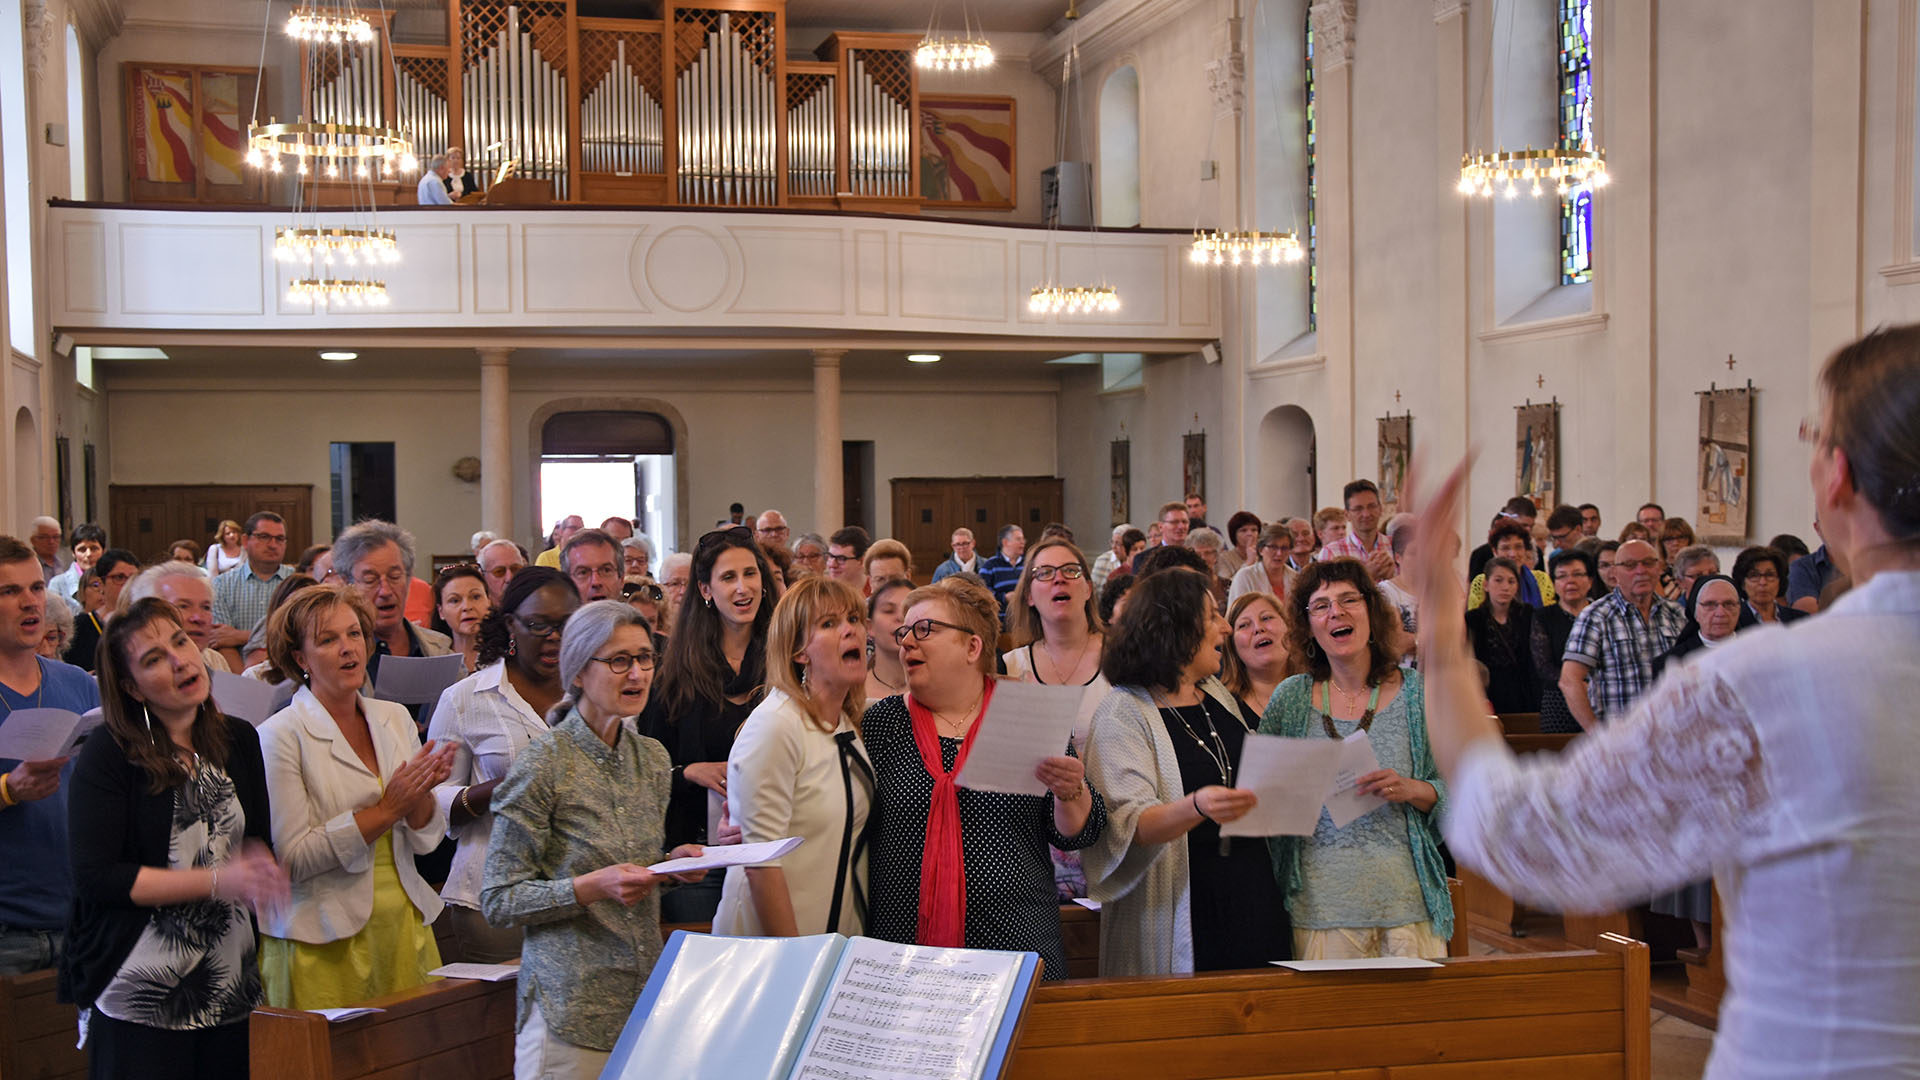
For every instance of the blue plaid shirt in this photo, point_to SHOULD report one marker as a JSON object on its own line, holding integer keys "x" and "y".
{"x": 240, "y": 597}
{"x": 1620, "y": 647}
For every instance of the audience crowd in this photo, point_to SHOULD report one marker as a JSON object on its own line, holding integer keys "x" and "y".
{"x": 621, "y": 704}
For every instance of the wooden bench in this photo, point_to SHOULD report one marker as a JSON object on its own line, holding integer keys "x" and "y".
{"x": 37, "y": 1033}
{"x": 447, "y": 1028}
{"x": 1545, "y": 1016}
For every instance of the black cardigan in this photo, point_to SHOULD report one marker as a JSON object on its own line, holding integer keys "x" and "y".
{"x": 115, "y": 826}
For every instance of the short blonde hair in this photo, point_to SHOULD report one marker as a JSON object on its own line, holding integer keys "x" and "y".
{"x": 1327, "y": 515}
{"x": 888, "y": 549}
{"x": 293, "y": 622}
{"x": 971, "y": 606}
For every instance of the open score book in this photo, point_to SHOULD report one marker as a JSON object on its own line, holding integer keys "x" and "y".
{"x": 824, "y": 1007}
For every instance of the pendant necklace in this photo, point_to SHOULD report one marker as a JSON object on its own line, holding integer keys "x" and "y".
{"x": 1366, "y": 718}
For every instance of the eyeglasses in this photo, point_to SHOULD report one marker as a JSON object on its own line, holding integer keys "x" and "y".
{"x": 621, "y": 663}
{"x": 1320, "y": 609}
{"x": 1762, "y": 575}
{"x": 1717, "y": 605}
{"x": 923, "y": 630}
{"x": 541, "y": 627}
{"x": 840, "y": 560}
{"x": 1071, "y": 572}
{"x": 774, "y": 530}
{"x": 397, "y": 577}
{"x": 1647, "y": 563}
{"x": 269, "y": 537}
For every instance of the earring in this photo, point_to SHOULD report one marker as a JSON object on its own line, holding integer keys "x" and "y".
{"x": 805, "y": 669}
{"x": 149, "y": 718}
{"x": 513, "y": 647}
{"x": 1313, "y": 649}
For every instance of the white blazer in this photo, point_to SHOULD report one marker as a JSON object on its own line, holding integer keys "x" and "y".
{"x": 315, "y": 783}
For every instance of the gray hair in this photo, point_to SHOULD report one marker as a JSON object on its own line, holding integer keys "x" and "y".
{"x": 592, "y": 536}
{"x": 366, "y": 537}
{"x": 640, "y": 541}
{"x": 673, "y": 561}
{"x": 45, "y": 520}
{"x": 147, "y": 582}
{"x": 1205, "y": 538}
{"x": 1686, "y": 557}
{"x": 818, "y": 541}
{"x": 436, "y": 161}
{"x": 588, "y": 629}
{"x": 60, "y": 615}
{"x": 1120, "y": 531}
{"x": 481, "y": 539}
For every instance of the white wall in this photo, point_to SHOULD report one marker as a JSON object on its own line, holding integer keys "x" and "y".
{"x": 747, "y": 441}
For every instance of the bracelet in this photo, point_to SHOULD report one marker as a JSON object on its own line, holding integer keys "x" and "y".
{"x": 464, "y": 804}
{"x": 1078, "y": 790}
{"x": 1196, "y": 807}
{"x": 213, "y": 885}
{"x": 6, "y": 792}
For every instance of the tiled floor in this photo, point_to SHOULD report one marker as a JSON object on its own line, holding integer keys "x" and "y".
{"x": 1679, "y": 1048}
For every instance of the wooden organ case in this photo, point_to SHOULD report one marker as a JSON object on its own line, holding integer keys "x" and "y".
{"x": 700, "y": 107}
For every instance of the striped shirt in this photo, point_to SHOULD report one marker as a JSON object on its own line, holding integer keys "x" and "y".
{"x": 1350, "y": 547}
{"x": 240, "y": 596}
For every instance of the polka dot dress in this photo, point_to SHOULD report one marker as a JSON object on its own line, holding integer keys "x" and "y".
{"x": 1011, "y": 902}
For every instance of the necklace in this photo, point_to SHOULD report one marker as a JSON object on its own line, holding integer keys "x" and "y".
{"x": 875, "y": 672}
{"x": 966, "y": 718}
{"x": 1065, "y": 674}
{"x": 1213, "y": 745}
{"x": 1366, "y": 718}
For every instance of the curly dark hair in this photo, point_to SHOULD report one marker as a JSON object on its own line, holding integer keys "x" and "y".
{"x": 1744, "y": 563}
{"x": 1166, "y": 557}
{"x": 447, "y": 577}
{"x": 495, "y": 637}
{"x": 1118, "y": 584}
{"x": 1508, "y": 528}
{"x": 1165, "y": 624}
{"x": 1383, "y": 622}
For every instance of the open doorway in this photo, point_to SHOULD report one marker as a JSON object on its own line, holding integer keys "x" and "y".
{"x": 602, "y": 464}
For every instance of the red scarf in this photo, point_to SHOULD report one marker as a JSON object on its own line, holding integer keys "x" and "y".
{"x": 943, "y": 867}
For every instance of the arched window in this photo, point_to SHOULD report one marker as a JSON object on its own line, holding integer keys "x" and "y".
{"x": 76, "y": 117}
{"x": 20, "y": 196}
{"x": 1576, "y": 133}
{"x": 1120, "y": 149}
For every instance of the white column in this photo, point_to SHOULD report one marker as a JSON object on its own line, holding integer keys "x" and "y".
{"x": 496, "y": 442}
{"x": 829, "y": 496}
{"x": 1444, "y": 443}
{"x": 1624, "y": 259}
{"x": 1227, "y": 78}
{"x": 1333, "y": 33}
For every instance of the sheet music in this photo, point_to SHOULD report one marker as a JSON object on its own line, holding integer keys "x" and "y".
{"x": 1291, "y": 777}
{"x": 43, "y": 734}
{"x": 418, "y": 680}
{"x": 1025, "y": 722}
{"x": 908, "y": 1012}
{"x": 719, "y": 858}
{"x": 246, "y": 699}
{"x": 334, "y": 1016}
{"x": 1356, "y": 760}
{"x": 478, "y": 972}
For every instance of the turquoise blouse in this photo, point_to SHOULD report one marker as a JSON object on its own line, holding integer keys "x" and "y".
{"x": 1292, "y": 714}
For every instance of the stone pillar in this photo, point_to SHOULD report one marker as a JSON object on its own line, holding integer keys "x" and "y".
{"x": 496, "y": 442}
{"x": 1333, "y": 25}
{"x": 829, "y": 495}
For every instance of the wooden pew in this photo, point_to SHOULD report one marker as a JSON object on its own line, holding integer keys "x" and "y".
{"x": 1545, "y": 1016}
{"x": 449, "y": 1027}
{"x": 37, "y": 1033}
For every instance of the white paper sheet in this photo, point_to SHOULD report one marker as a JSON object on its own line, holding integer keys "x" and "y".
{"x": 334, "y": 1016}
{"x": 1362, "y": 963}
{"x": 1087, "y": 902}
{"x": 715, "y": 858}
{"x": 898, "y": 1011}
{"x": 43, "y": 734}
{"x": 418, "y": 680}
{"x": 478, "y": 972}
{"x": 1025, "y": 722}
{"x": 251, "y": 700}
{"x": 1356, "y": 760}
{"x": 1291, "y": 777}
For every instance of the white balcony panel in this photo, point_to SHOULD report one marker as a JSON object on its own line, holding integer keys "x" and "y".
{"x": 536, "y": 270}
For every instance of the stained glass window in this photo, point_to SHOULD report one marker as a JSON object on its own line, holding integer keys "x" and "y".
{"x": 1576, "y": 133}
{"x": 1313, "y": 193}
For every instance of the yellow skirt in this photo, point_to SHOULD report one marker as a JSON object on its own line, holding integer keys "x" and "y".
{"x": 393, "y": 952}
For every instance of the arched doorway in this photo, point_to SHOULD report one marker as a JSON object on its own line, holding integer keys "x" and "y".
{"x": 27, "y": 503}
{"x": 602, "y": 463}
{"x": 1287, "y": 462}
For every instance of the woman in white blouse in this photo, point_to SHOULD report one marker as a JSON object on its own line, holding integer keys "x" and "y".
{"x": 226, "y": 551}
{"x": 351, "y": 790}
{"x": 798, "y": 768}
{"x": 1781, "y": 761}
{"x": 488, "y": 718}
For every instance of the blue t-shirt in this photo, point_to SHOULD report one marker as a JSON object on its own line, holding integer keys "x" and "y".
{"x": 35, "y": 880}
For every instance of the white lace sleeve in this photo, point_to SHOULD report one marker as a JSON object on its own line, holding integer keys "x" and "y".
{"x": 1649, "y": 802}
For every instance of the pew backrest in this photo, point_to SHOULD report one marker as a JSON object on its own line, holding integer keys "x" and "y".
{"x": 37, "y": 1033}
{"x": 1545, "y": 1016}
{"x": 449, "y": 1027}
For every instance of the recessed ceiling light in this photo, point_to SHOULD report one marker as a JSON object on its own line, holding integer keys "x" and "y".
{"x": 339, "y": 356}
{"x": 924, "y": 357}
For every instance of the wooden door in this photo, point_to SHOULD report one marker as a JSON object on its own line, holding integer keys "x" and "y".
{"x": 145, "y": 518}
{"x": 926, "y": 510}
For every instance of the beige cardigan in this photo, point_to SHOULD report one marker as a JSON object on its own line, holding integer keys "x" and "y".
{"x": 1145, "y": 893}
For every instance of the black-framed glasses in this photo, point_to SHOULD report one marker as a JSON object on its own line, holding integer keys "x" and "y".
{"x": 621, "y": 663}
{"x": 1070, "y": 571}
{"x": 923, "y": 629}
{"x": 542, "y": 627}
